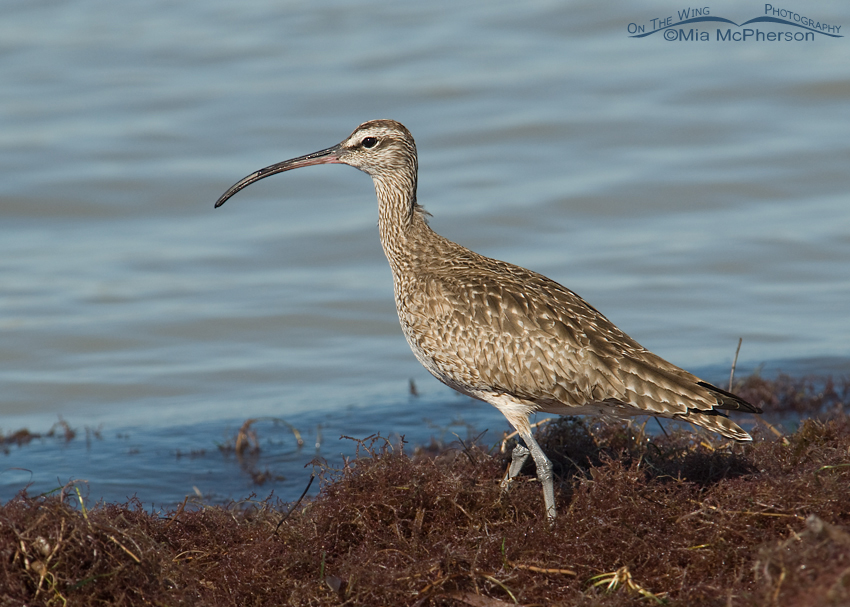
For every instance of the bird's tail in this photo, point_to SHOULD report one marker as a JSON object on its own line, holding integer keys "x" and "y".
{"x": 728, "y": 401}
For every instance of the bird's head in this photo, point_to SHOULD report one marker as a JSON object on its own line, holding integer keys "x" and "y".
{"x": 382, "y": 148}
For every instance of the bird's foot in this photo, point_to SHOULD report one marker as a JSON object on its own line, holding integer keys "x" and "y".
{"x": 518, "y": 457}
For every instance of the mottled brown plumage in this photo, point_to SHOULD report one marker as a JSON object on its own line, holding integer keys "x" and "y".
{"x": 504, "y": 334}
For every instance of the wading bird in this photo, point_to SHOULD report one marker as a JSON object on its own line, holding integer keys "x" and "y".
{"x": 503, "y": 334}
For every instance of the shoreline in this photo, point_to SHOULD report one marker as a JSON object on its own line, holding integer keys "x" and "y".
{"x": 681, "y": 518}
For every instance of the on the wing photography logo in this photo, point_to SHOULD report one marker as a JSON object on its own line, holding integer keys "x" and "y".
{"x": 775, "y": 25}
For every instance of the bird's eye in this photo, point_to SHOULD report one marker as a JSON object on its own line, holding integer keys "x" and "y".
{"x": 369, "y": 142}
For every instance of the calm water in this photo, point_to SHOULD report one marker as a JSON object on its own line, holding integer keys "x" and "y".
{"x": 695, "y": 192}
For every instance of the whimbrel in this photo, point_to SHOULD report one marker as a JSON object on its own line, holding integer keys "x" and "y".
{"x": 503, "y": 334}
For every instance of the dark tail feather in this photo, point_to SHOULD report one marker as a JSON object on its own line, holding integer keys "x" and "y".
{"x": 728, "y": 401}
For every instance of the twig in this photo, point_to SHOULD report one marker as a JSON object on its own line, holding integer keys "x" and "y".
{"x": 176, "y": 514}
{"x": 508, "y": 437}
{"x": 466, "y": 449}
{"x": 735, "y": 363}
{"x": 291, "y": 510}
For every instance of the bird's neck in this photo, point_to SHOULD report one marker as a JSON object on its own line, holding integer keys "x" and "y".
{"x": 401, "y": 223}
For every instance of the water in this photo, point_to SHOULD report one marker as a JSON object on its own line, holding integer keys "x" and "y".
{"x": 695, "y": 192}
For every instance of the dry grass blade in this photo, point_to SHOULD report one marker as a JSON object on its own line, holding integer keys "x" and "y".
{"x": 124, "y": 548}
{"x": 537, "y": 569}
{"x": 478, "y": 600}
{"x": 623, "y": 578}
{"x": 490, "y": 578}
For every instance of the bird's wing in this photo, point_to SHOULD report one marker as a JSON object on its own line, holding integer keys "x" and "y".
{"x": 502, "y": 328}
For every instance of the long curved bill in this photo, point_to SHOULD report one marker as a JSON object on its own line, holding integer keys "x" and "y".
{"x": 326, "y": 156}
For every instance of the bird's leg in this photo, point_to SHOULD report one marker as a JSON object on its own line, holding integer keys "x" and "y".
{"x": 544, "y": 472}
{"x": 518, "y": 457}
